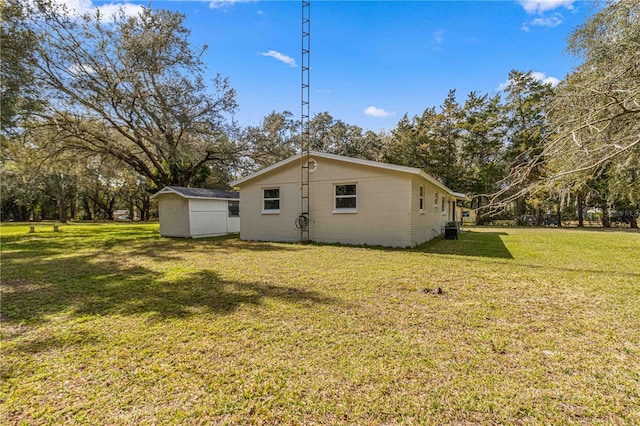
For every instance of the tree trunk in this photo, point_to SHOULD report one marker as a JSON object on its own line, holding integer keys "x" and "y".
{"x": 580, "y": 210}
{"x": 147, "y": 207}
{"x": 62, "y": 209}
{"x": 87, "y": 209}
{"x": 606, "y": 222}
{"x": 480, "y": 220}
{"x": 24, "y": 214}
{"x": 559, "y": 216}
{"x": 521, "y": 208}
{"x": 144, "y": 207}
{"x": 110, "y": 209}
{"x": 633, "y": 221}
{"x": 538, "y": 216}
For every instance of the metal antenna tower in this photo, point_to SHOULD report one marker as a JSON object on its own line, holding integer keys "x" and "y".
{"x": 303, "y": 220}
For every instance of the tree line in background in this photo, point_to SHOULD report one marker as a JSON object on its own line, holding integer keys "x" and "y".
{"x": 99, "y": 112}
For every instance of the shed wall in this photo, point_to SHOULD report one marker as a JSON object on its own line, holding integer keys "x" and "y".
{"x": 210, "y": 218}
{"x": 193, "y": 218}
{"x": 174, "y": 216}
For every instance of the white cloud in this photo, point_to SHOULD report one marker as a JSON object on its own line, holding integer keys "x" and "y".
{"x": 550, "y": 22}
{"x": 78, "y": 70}
{"x": 503, "y": 85}
{"x": 113, "y": 8}
{"x": 541, "y": 6}
{"x": 377, "y": 112}
{"x": 438, "y": 37}
{"x": 223, "y": 4}
{"x": 281, "y": 57}
{"x": 81, "y": 7}
{"x": 437, "y": 40}
{"x": 540, "y": 76}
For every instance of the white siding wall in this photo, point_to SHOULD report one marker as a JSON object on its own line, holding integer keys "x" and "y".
{"x": 383, "y": 201}
{"x": 387, "y": 214}
{"x": 208, "y": 217}
{"x": 428, "y": 224}
{"x": 233, "y": 224}
{"x": 174, "y": 216}
{"x": 256, "y": 226}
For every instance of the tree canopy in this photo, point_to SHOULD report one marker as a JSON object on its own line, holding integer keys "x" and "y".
{"x": 103, "y": 110}
{"x": 131, "y": 88}
{"x": 594, "y": 114}
{"x": 19, "y": 93}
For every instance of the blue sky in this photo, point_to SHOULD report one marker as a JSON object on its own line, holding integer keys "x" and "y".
{"x": 374, "y": 61}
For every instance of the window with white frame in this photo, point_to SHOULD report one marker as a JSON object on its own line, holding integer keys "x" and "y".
{"x": 436, "y": 199}
{"x": 421, "y": 198}
{"x": 271, "y": 200}
{"x": 443, "y": 204}
{"x": 345, "y": 197}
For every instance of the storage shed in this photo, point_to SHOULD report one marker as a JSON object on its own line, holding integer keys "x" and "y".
{"x": 197, "y": 212}
{"x": 351, "y": 201}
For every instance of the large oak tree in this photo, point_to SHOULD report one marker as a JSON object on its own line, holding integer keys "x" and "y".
{"x": 132, "y": 88}
{"x": 594, "y": 115}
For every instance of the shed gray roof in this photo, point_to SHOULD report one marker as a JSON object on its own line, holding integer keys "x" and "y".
{"x": 198, "y": 193}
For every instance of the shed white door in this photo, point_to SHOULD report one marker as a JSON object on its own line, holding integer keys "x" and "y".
{"x": 208, "y": 223}
{"x": 208, "y": 218}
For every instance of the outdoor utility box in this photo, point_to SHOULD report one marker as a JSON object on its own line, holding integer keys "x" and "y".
{"x": 451, "y": 231}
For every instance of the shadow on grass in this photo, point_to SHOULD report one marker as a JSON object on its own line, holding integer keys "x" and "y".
{"x": 145, "y": 242}
{"x": 469, "y": 243}
{"x": 62, "y": 340}
{"x": 81, "y": 285}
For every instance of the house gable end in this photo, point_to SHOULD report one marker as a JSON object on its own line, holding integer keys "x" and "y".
{"x": 349, "y": 161}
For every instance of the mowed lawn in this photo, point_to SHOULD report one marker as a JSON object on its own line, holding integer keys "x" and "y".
{"x": 111, "y": 324}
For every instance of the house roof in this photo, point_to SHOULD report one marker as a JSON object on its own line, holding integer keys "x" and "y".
{"x": 350, "y": 160}
{"x": 211, "y": 194}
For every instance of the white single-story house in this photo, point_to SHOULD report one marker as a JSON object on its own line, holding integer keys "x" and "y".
{"x": 197, "y": 212}
{"x": 351, "y": 201}
{"x": 467, "y": 215}
{"x": 121, "y": 215}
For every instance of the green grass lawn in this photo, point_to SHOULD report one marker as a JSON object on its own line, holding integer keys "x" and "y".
{"x": 111, "y": 324}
